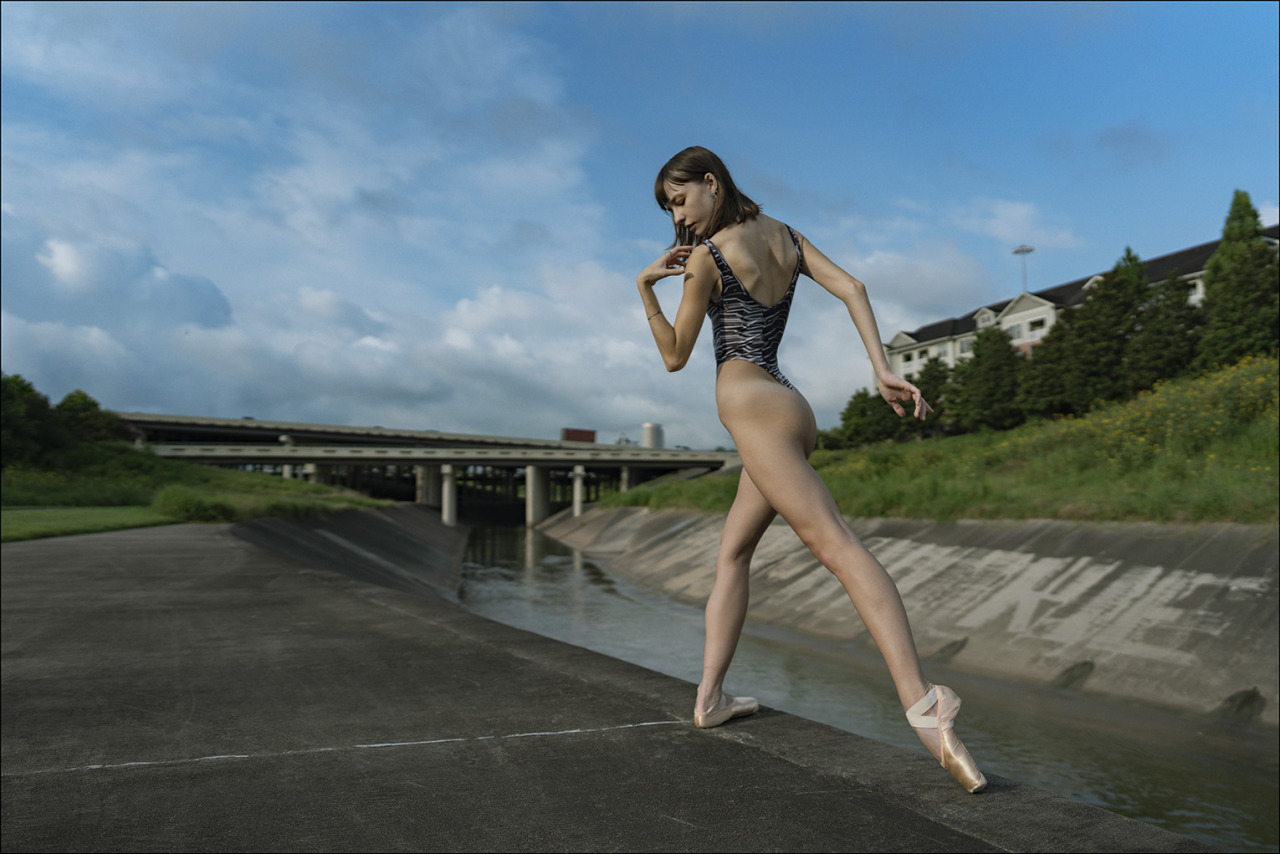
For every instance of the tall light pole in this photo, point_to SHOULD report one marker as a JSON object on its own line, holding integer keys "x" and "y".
{"x": 1024, "y": 251}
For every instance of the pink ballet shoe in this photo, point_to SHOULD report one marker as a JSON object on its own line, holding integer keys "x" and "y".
{"x": 726, "y": 707}
{"x": 954, "y": 757}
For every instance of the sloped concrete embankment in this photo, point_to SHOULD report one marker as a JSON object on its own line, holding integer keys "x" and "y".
{"x": 1181, "y": 616}
{"x": 405, "y": 547}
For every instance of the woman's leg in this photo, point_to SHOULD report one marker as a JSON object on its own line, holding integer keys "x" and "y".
{"x": 774, "y": 430}
{"x": 748, "y": 519}
{"x": 772, "y": 437}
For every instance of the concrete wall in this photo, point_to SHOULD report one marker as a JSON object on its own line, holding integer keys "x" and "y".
{"x": 406, "y": 547}
{"x": 1182, "y": 616}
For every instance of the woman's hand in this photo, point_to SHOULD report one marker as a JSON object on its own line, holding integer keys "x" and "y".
{"x": 669, "y": 263}
{"x": 897, "y": 391}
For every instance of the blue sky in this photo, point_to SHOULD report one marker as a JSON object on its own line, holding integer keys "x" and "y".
{"x": 431, "y": 215}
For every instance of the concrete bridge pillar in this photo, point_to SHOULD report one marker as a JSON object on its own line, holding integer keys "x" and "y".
{"x": 579, "y": 487}
{"x": 624, "y": 479}
{"x": 537, "y": 494}
{"x": 427, "y": 485}
{"x": 286, "y": 470}
{"x": 448, "y": 495}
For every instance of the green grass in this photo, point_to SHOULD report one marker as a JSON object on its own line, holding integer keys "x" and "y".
{"x": 31, "y": 524}
{"x": 107, "y": 486}
{"x": 1195, "y": 450}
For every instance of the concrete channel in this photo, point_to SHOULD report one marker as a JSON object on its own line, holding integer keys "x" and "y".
{"x": 199, "y": 687}
{"x": 1178, "y": 616}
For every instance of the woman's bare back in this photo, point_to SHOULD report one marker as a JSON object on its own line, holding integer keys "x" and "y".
{"x": 761, "y": 254}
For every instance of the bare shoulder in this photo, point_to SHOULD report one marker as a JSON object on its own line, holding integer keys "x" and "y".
{"x": 700, "y": 268}
{"x": 700, "y": 260}
{"x": 760, "y": 233}
{"x": 770, "y": 224}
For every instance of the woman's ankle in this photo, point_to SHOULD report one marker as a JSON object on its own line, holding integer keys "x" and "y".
{"x": 708, "y": 696}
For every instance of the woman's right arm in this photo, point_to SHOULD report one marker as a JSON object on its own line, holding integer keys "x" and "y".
{"x": 675, "y": 340}
{"x": 853, "y": 293}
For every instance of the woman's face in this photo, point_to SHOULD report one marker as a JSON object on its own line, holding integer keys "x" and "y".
{"x": 691, "y": 204}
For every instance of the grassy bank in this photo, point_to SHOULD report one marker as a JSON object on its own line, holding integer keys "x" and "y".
{"x": 35, "y": 523}
{"x": 108, "y": 486}
{"x": 1205, "y": 449}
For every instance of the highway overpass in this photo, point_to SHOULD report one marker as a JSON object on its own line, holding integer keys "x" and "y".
{"x": 436, "y": 463}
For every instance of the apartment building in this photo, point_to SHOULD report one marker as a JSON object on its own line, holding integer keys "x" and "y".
{"x": 1028, "y": 317}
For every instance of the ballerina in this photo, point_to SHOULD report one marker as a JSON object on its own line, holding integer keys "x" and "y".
{"x": 740, "y": 269}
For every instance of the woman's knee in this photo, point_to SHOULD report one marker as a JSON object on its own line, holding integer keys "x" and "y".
{"x": 831, "y": 544}
{"x": 733, "y": 568}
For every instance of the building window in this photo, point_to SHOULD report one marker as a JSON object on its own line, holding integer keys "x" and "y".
{"x": 906, "y": 358}
{"x": 966, "y": 345}
{"x": 1197, "y": 292}
{"x": 984, "y": 320}
{"x": 1014, "y": 331}
{"x": 924, "y": 354}
{"x": 1036, "y": 328}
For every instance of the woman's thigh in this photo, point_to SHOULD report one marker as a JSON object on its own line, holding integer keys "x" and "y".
{"x": 774, "y": 432}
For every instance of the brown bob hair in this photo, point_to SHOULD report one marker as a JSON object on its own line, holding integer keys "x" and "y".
{"x": 731, "y": 206}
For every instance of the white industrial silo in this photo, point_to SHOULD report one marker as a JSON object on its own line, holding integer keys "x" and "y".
{"x": 651, "y": 435}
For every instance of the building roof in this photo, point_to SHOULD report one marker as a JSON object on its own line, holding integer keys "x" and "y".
{"x": 1183, "y": 262}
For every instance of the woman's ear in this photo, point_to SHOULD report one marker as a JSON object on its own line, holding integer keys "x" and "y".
{"x": 711, "y": 182}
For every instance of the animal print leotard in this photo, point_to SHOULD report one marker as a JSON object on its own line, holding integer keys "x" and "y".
{"x": 744, "y": 328}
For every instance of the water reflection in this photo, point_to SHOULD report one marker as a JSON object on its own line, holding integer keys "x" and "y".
{"x": 1191, "y": 774}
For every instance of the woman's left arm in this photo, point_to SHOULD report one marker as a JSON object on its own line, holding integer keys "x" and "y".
{"x": 675, "y": 340}
{"x": 853, "y": 293}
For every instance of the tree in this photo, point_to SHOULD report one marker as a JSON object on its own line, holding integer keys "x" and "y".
{"x": 984, "y": 391}
{"x": 1042, "y": 387}
{"x": 86, "y": 421}
{"x": 33, "y": 430}
{"x": 1167, "y": 339}
{"x": 1102, "y": 328}
{"x": 28, "y": 425}
{"x": 831, "y": 440}
{"x": 867, "y": 418}
{"x": 934, "y": 382}
{"x": 1242, "y": 291}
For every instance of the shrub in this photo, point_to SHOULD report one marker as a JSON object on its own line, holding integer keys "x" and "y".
{"x": 185, "y": 504}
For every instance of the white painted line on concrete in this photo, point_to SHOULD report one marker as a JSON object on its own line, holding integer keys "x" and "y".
{"x": 117, "y": 766}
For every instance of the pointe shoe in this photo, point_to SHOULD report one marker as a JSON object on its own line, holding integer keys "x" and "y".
{"x": 954, "y": 757}
{"x": 726, "y": 707}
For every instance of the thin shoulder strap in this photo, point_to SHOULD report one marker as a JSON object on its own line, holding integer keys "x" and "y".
{"x": 799, "y": 254}
{"x": 721, "y": 264}
{"x": 795, "y": 238}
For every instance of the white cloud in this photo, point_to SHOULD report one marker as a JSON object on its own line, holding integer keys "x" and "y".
{"x": 79, "y": 50}
{"x": 458, "y": 339}
{"x": 64, "y": 261}
{"x": 378, "y": 344}
{"x": 58, "y": 357}
{"x": 1013, "y": 223}
{"x": 324, "y": 309}
{"x": 105, "y": 282}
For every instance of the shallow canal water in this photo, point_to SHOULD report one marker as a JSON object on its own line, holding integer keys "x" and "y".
{"x": 1212, "y": 780}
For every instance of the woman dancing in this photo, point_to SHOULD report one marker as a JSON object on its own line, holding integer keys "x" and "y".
{"x": 744, "y": 280}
